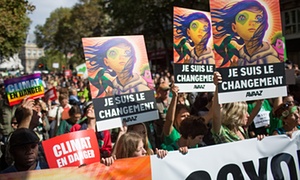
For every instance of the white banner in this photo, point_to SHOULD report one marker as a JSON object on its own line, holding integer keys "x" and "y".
{"x": 275, "y": 157}
{"x": 55, "y": 65}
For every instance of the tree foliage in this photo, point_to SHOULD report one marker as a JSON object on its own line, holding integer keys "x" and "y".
{"x": 14, "y": 24}
{"x": 45, "y": 33}
{"x": 152, "y": 18}
{"x": 65, "y": 28}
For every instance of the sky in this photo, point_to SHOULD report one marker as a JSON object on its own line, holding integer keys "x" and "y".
{"x": 44, "y": 8}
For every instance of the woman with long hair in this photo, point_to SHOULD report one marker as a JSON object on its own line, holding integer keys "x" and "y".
{"x": 230, "y": 120}
{"x": 129, "y": 145}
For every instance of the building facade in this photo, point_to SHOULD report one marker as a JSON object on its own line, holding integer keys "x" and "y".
{"x": 290, "y": 16}
{"x": 30, "y": 54}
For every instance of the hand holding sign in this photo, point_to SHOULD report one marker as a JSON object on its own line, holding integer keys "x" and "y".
{"x": 27, "y": 106}
{"x": 25, "y": 112}
{"x": 217, "y": 78}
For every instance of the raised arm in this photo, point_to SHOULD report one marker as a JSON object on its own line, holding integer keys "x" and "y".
{"x": 27, "y": 110}
{"x": 216, "y": 120}
{"x": 276, "y": 103}
{"x": 254, "y": 112}
{"x": 122, "y": 131}
{"x": 168, "y": 125}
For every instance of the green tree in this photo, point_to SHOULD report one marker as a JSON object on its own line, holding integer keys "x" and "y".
{"x": 152, "y": 18}
{"x": 45, "y": 33}
{"x": 65, "y": 28}
{"x": 14, "y": 24}
{"x": 87, "y": 20}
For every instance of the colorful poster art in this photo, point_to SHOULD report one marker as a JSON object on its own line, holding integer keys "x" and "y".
{"x": 120, "y": 80}
{"x": 249, "y": 49}
{"x": 25, "y": 86}
{"x": 72, "y": 149}
{"x": 194, "y": 61}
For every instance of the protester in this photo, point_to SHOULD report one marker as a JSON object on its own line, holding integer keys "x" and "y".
{"x": 162, "y": 102}
{"x": 73, "y": 98}
{"x": 289, "y": 114}
{"x": 192, "y": 131}
{"x": 89, "y": 122}
{"x": 130, "y": 145}
{"x": 203, "y": 107}
{"x": 62, "y": 112}
{"x": 23, "y": 147}
{"x": 6, "y": 114}
{"x": 14, "y": 123}
{"x": 66, "y": 125}
{"x": 230, "y": 123}
{"x": 83, "y": 92}
{"x": 43, "y": 127}
{"x": 175, "y": 115}
{"x": 141, "y": 129}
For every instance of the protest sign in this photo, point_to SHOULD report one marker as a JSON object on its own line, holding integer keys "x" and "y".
{"x": 275, "y": 157}
{"x": 25, "y": 86}
{"x": 120, "y": 80}
{"x": 72, "y": 149}
{"x": 55, "y": 65}
{"x": 82, "y": 70}
{"x": 245, "y": 83}
{"x": 194, "y": 62}
{"x": 50, "y": 94}
{"x": 68, "y": 73}
{"x": 249, "y": 49}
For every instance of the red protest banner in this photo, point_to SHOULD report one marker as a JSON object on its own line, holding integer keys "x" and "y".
{"x": 68, "y": 73}
{"x": 50, "y": 94}
{"x": 72, "y": 149}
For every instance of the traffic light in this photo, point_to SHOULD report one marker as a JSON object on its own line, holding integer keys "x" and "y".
{"x": 41, "y": 66}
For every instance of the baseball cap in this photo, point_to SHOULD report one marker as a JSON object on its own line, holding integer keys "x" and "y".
{"x": 86, "y": 105}
{"x": 23, "y": 136}
{"x": 164, "y": 87}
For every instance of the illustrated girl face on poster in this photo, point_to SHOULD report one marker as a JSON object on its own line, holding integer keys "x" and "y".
{"x": 118, "y": 56}
{"x": 247, "y": 23}
{"x": 197, "y": 30}
{"x": 191, "y": 28}
{"x": 111, "y": 58}
{"x": 244, "y": 25}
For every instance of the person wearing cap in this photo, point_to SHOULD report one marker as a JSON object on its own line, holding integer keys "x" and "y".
{"x": 23, "y": 147}
{"x": 289, "y": 114}
{"x": 163, "y": 101}
{"x": 89, "y": 122}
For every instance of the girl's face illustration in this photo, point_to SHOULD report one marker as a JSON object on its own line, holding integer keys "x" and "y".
{"x": 247, "y": 22}
{"x": 117, "y": 57}
{"x": 196, "y": 31}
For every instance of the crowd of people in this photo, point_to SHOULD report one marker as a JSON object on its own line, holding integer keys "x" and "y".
{"x": 186, "y": 120}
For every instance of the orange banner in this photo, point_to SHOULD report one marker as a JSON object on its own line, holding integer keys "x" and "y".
{"x": 123, "y": 169}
